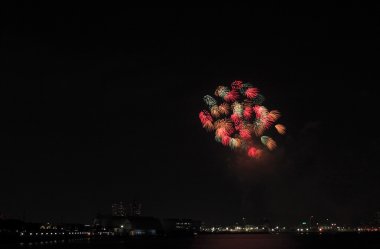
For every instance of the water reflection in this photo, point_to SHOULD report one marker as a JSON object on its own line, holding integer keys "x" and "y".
{"x": 245, "y": 241}
{"x": 221, "y": 241}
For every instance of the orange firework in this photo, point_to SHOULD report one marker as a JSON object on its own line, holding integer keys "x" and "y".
{"x": 280, "y": 128}
{"x": 224, "y": 108}
{"x": 215, "y": 111}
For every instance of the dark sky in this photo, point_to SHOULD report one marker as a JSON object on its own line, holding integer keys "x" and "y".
{"x": 102, "y": 105}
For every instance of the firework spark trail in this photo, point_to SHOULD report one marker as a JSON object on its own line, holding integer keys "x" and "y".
{"x": 280, "y": 129}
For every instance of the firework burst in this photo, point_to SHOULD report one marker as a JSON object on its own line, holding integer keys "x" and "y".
{"x": 240, "y": 121}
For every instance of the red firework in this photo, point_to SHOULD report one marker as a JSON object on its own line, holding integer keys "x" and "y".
{"x": 237, "y": 84}
{"x": 251, "y": 92}
{"x": 245, "y": 134}
{"x": 235, "y": 118}
{"x": 231, "y": 96}
{"x": 205, "y": 117}
{"x": 247, "y": 112}
{"x": 226, "y": 140}
{"x": 253, "y": 152}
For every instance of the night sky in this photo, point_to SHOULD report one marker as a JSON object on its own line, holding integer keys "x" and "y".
{"x": 102, "y": 105}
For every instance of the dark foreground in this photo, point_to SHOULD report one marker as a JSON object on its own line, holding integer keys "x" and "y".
{"x": 225, "y": 241}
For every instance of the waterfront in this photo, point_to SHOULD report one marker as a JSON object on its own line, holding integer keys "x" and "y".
{"x": 223, "y": 241}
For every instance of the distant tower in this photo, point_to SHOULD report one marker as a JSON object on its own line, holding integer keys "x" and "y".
{"x": 135, "y": 208}
{"x": 119, "y": 209}
{"x": 244, "y": 221}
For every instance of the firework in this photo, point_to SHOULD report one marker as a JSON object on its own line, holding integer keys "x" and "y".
{"x": 226, "y": 140}
{"x": 269, "y": 142}
{"x": 258, "y": 127}
{"x": 251, "y": 92}
{"x": 210, "y": 101}
{"x": 280, "y": 128}
{"x": 224, "y": 124}
{"x": 218, "y": 139}
{"x": 221, "y": 91}
{"x": 245, "y": 134}
{"x": 205, "y": 116}
{"x": 237, "y": 84}
{"x": 234, "y": 143}
{"x": 224, "y": 108}
{"x": 274, "y": 115}
{"x": 247, "y": 113}
{"x": 215, "y": 111}
{"x": 235, "y": 118}
{"x": 260, "y": 111}
{"x": 206, "y": 120}
{"x": 237, "y": 108}
{"x": 254, "y": 152}
{"x": 240, "y": 121}
{"x": 259, "y": 99}
{"x": 231, "y": 96}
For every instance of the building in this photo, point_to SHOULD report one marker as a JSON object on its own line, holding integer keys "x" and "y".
{"x": 181, "y": 226}
{"x": 122, "y": 209}
{"x": 119, "y": 209}
{"x": 145, "y": 226}
{"x": 119, "y": 225}
{"x": 128, "y": 225}
{"x": 134, "y": 208}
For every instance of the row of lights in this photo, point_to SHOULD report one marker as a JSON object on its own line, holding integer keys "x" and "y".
{"x": 70, "y": 233}
{"x": 368, "y": 229}
{"x": 48, "y": 242}
{"x": 239, "y": 229}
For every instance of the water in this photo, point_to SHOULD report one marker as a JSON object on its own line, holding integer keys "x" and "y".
{"x": 226, "y": 241}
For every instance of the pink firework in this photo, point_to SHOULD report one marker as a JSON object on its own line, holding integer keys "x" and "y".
{"x": 251, "y": 92}
{"x": 235, "y": 118}
{"x": 237, "y": 84}
{"x": 260, "y": 111}
{"x": 247, "y": 112}
{"x": 226, "y": 140}
{"x": 231, "y": 96}
{"x": 238, "y": 126}
{"x": 252, "y": 152}
{"x": 245, "y": 134}
{"x": 221, "y": 132}
{"x": 205, "y": 116}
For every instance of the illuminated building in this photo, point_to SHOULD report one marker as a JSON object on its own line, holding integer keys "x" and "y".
{"x": 134, "y": 208}
{"x": 129, "y": 225}
{"x": 119, "y": 209}
{"x": 181, "y": 226}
